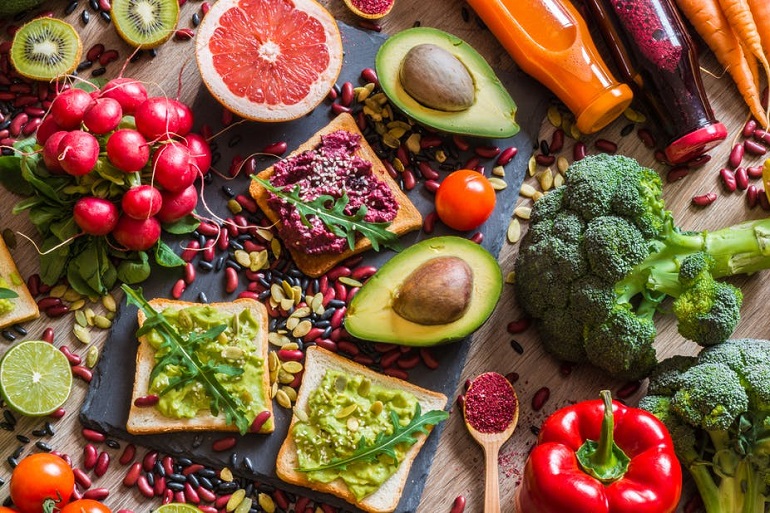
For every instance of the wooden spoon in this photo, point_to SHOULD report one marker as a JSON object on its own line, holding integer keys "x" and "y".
{"x": 491, "y": 443}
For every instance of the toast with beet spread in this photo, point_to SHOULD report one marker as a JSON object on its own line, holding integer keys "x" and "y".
{"x": 407, "y": 217}
{"x": 18, "y": 309}
{"x": 144, "y": 417}
{"x": 318, "y": 362}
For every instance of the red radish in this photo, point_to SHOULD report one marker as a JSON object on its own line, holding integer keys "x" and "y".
{"x": 95, "y": 216}
{"x": 137, "y": 234}
{"x": 69, "y": 107}
{"x": 46, "y": 129}
{"x": 156, "y": 118}
{"x": 51, "y": 152}
{"x": 176, "y": 205}
{"x": 200, "y": 152}
{"x": 141, "y": 202}
{"x": 103, "y": 117}
{"x": 172, "y": 167}
{"x": 78, "y": 152}
{"x": 128, "y": 150}
{"x": 184, "y": 117}
{"x": 129, "y": 92}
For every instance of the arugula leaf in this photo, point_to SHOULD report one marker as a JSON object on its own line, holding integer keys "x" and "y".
{"x": 187, "y": 224}
{"x": 335, "y": 218}
{"x": 7, "y": 293}
{"x": 166, "y": 257}
{"x": 180, "y": 351}
{"x": 386, "y": 444}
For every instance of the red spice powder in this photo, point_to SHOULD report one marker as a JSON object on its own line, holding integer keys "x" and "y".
{"x": 372, "y": 6}
{"x": 490, "y": 403}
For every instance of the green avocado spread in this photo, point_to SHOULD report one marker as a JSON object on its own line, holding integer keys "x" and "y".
{"x": 342, "y": 410}
{"x": 6, "y": 305}
{"x": 234, "y": 347}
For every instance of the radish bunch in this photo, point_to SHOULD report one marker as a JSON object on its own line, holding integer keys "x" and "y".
{"x": 119, "y": 129}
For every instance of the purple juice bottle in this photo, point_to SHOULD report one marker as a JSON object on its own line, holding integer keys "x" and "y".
{"x": 657, "y": 58}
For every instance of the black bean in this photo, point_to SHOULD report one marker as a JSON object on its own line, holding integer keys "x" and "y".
{"x": 208, "y": 473}
{"x": 184, "y": 462}
{"x": 196, "y": 19}
{"x": 336, "y": 303}
{"x": 235, "y": 265}
{"x": 234, "y": 140}
{"x": 21, "y": 330}
{"x": 416, "y": 23}
{"x": 264, "y": 295}
{"x": 112, "y": 443}
{"x": 627, "y": 129}
{"x": 13, "y": 462}
{"x": 94, "y": 4}
{"x": 85, "y": 17}
{"x": 219, "y": 264}
{"x": 136, "y": 56}
{"x": 205, "y": 482}
{"x": 328, "y": 313}
{"x": 323, "y": 324}
{"x": 193, "y": 480}
{"x": 18, "y": 452}
{"x": 234, "y": 244}
{"x": 159, "y": 469}
{"x": 176, "y": 477}
{"x": 516, "y": 346}
{"x": 247, "y": 464}
{"x": 49, "y": 429}
{"x": 204, "y": 265}
{"x": 43, "y": 446}
{"x": 9, "y": 417}
{"x": 175, "y": 486}
{"x": 234, "y": 460}
{"x": 544, "y": 148}
{"x": 98, "y": 72}
{"x": 5, "y": 124}
{"x": 150, "y": 478}
{"x": 229, "y": 192}
{"x": 6, "y": 426}
{"x": 7, "y": 335}
{"x": 197, "y": 441}
{"x": 153, "y": 52}
{"x": 71, "y": 7}
{"x": 105, "y": 16}
{"x": 466, "y": 15}
{"x": 23, "y": 439}
{"x": 40, "y": 432}
{"x": 202, "y": 297}
{"x": 227, "y": 487}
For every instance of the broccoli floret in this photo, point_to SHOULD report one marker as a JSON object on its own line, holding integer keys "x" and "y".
{"x": 715, "y": 407}
{"x": 603, "y": 243}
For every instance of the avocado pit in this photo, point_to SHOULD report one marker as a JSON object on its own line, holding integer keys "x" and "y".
{"x": 437, "y": 292}
{"x": 437, "y": 79}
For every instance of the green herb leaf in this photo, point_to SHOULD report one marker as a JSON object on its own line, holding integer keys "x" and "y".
{"x": 7, "y": 293}
{"x": 187, "y": 224}
{"x": 136, "y": 270}
{"x": 386, "y": 444}
{"x": 11, "y": 178}
{"x": 166, "y": 257}
{"x": 179, "y": 350}
{"x": 335, "y": 218}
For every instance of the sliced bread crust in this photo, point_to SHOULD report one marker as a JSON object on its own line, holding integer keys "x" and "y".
{"x": 24, "y": 306}
{"x": 407, "y": 219}
{"x": 385, "y": 499}
{"x": 146, "y": 420}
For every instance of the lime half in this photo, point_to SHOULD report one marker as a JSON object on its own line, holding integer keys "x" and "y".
{"x": 35, "y": 378}
{"x": 177, "y": 507}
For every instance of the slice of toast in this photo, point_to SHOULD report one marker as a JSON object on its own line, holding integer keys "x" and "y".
{"x": 386, "y": 497}
{"x": 148, "y": 419}
{"x": 407, "y": 219}
{"x": 24, "y": 306}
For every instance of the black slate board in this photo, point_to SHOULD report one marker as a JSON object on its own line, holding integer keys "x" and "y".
{"x": 108, "y": 400}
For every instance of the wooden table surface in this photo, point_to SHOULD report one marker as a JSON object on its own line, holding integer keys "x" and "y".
{"x": 458, "y": 465}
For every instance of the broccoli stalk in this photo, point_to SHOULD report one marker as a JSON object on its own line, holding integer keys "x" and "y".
{"x": 602, "y": 254}
{"x": 715, "y": 407}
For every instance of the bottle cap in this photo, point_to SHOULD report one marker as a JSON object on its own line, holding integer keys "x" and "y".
{"x": 695, "y": 143}
{"x": 604, "y": 109}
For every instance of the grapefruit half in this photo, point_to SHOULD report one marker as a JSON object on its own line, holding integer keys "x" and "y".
{"x": 269, "y": 60}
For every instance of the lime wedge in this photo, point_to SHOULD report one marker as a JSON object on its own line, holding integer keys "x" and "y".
{"x": 177, "y": 507}
{"x": 35, "y": 378}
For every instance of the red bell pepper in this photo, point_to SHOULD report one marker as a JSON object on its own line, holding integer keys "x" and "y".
{"x": 601, "y": 457}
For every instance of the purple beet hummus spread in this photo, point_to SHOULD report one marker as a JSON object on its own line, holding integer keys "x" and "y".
{"x": 330, "y": 169}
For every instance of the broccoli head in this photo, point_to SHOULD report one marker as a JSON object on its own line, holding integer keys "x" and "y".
{"x": 601, "y": 255}
{"x": 715, "y": 407}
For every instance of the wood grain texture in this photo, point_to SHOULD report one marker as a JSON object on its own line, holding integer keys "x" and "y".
{"x": 458, "y": 468}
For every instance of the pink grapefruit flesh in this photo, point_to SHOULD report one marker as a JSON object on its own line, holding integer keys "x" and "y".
{"x": 269, "y": 60}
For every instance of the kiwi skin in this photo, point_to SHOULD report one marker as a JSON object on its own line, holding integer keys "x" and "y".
{"x": 61, "y": 34}
{"x": 126, "y": 21}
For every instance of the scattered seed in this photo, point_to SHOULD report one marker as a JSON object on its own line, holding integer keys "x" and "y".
{"x": 522, "y": 212}
{"x": 514, "y": 231}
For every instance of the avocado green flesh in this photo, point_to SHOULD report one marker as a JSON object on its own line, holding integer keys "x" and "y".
{"x": 6, "y": 305}
{"x": 234, "y": 347}
{"x": 370, "y": 315}
{"x": 342, "y": 411}
{"x": 494, "y": 111}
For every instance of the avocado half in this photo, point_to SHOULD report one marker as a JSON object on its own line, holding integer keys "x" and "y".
{"x": 371, "y": 315}
{"x": 493, "y": 111}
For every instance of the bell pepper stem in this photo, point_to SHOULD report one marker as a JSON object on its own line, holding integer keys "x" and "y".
{"x": 603, "y": 459}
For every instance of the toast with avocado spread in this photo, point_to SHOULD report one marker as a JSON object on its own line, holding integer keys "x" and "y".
{"x": 14, "y": 309}
{"x": 344, "y": 409}
{"x": 163, "y": 400}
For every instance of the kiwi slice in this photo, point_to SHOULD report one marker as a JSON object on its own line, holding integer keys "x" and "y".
{"x": 145, "y": 23}
{"x": 46, "y": 48}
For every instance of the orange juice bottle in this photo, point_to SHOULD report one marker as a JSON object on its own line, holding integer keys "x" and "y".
{"x": 549, "y": 40}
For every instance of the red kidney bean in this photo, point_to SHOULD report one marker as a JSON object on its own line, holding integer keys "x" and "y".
{"x": 57, "y": 311}
{"x": 741, "y": 178}
{"x": 108, "y": 57}
{"x": 191, "y": 494}
{"x": 340, "y": 291}
{"x": 148, "y": 462}
{"x": 184, "y": 34}
{"x": 764, "y": 202}
{"x": 93, "y": 436}
{"x": 545, "y": 160}
{"x": 97, "y": 494}
{"x": 293, "y": 355}
{"x": 390, "y": 169}
{"x": 159, "y": 486}
{"x": 339, "y": 109}
{"x": 313, "y": 334}
{"x": 276, "y": 148}
{"x": 208, "y": 229}
{"x": 676, "y": 173}
{"x": 327, "y": 344}
{"x": 71, "y": 357}
{"x": 736, "y": 155}
{"x": 231, "y": 280}
{"x": 557, "y": 140}
{"x": 519, "y": 325}
{"x": 94, "y": 52}
{"x": 427, "y": 172}
{"x": 336, "y": 319}
{"x": 749, "y": 127}
{"x": 83, "y": 373}
{"x": 428, "y": 359}
{"x": 579, "y": 151}
{"x": 206, "y": 495}
{"x": 33, "y": 284}
{"x": 430, "y": 141}
{"x": 190, "y": 250}
{"x": 628, "y": 389}
{"x": 409, "y": 179}
{"x": 754, "y": 172}
{"x": 753, "y": 148}
{"x": 208, "y": 251}
{"x": 762, "y": 136}
{"x": 58, "y": 413}
{"x": 402, "y": 153}
{"x": 349, "y": 347}
{"x": 408, "y": 361}
{"x": 477, "y": 237}
{"x": 81, "y": 478}
{"x": 127, "y": 456}
{"x": 346, "y": 94}
{"x": 363, "y": 273}
{"x": 540, "y": 398}
{"x": 394, "y": 372}
{"x": 506, "y": 156}
{"x": 257, "y": 423}
{"x": 189, "y": 273}
{"x": 460, "y": 143}
{"x": 487, "y": 152}
{"x": 31, "y": 126}
{"x": 752, "y": 196}
{"x": 363, "y": 359}
{"x": 76, "y": 495}
{"x": 144, "y": 487}
{"x": 389, "y": 359}
{"x": 146, "y": 400}
{"x": 606, "y": 146}
{"x": 191, "y": 469}
{"x": 704, "y": 200}
{"x": 18, "y": 122}
{"x": 90, "y": 455}
{"x": 728, "y": 179}
{"x": 23, "y": 101}
{"x": 646, "y": 137}
{"x": 102, "y": 464}
{"x": 48, "y": 302}
{"x": 431, "y": 185}
{"x": 471, "y": 163}
{"x": 177, "y": 497}
{"x": 48, "y": 335}
{"x": 338, "y": 272}
{"x": 333, "y": 93}
{"x": 247, "y": 203}
{"x": 458, "y": 506}
{"x": 205, "y": 6}
{"x": 279, "y": 496}
{"x": 222, "y": 501}
{"x": 369, "y": 75}
{"x": 178, "y": 289}
{"x": 224, "y": 444}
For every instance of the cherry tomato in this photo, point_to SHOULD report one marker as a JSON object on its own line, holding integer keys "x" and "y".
{"x": 41, "y": 478}
{"x": 464, "y": 200}
{"x": 85, "y": 506}
{"x": 4, "y": 509}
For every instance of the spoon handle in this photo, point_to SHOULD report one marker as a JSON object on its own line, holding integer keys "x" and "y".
{"x": 492, "y": 487}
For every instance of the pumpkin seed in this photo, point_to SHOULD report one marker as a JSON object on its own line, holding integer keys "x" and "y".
{"x": 90, "y": 314}
{"x": 301, "y": 312}
{"x": 510, "y": 278}
{"x": 537, "y": 195}
{"x": 554, "y": 116}
{"x": 277, "y": 339}
{"x": 277, "y": 293}
{"x": 72, "y": 295}
{"x": 275, "y": 247}
{"x": 633, "y": 115}
{"x": 272, "y": 361}
{"x": 301, "y": 415}
{"x": 284, "y": 378}
{"x": 545, "y": 178}
{"x": 397, "y": 132}
{"x": 287, "y": 304}
{"x": 245, "y": 506}
{"x": 58, "y": 291}
{"x": 302, "y": 329}
{"x": 265, "y": 234}
{"x": 390, "y": 141}
{"x": 234, "y": 207}
{"x": 92, "y": 356}
{"x": 235, "y": 499}
{"x": 522, "y": 212}
{"x": 527, "y": 190}
{"x": 376, "y": 407}
{"x": 347, "y": 410}
{"x": 80, "y": 318}
{"x": 413, "y": 143}
{"x": 497, "y": 183}
{"x": 232, "y": 353}
{"x": 282, "y": 398}
{"x": 562, "y": 164}
{"x": 109, "y": 303}
{"x": 227, "y": 475}
{"x": 291, "y": 346}
{"x": 398, "y": 165}
{"x": 102, "y": 322}
{"x": 242, "y": 257}
{"x": 440, "y": 156}
{"x": 266, "y": 502}
{"x": 340, "y": 383}
{"x": 574, "y": 132}
{"x": 499, "y": 171}
{"x": 292, "y": 367}
{"x": 514, "y": 231}
{"x": 558, "y": 180}
{"x": 290, "y": 393}
{"x": 82, "y": 334}
{"x": 273, "y": 389}
{"x": 364, "y": 388}
{"x": 291, "y": 323}
{"x": 532, "y": 165}
{"x": 347, "y": 280}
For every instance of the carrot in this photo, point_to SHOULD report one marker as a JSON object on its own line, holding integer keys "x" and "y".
{"x": 760, "y": 11}
{"x": 739, "y": 16}
{"x": 712, "y": 25}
